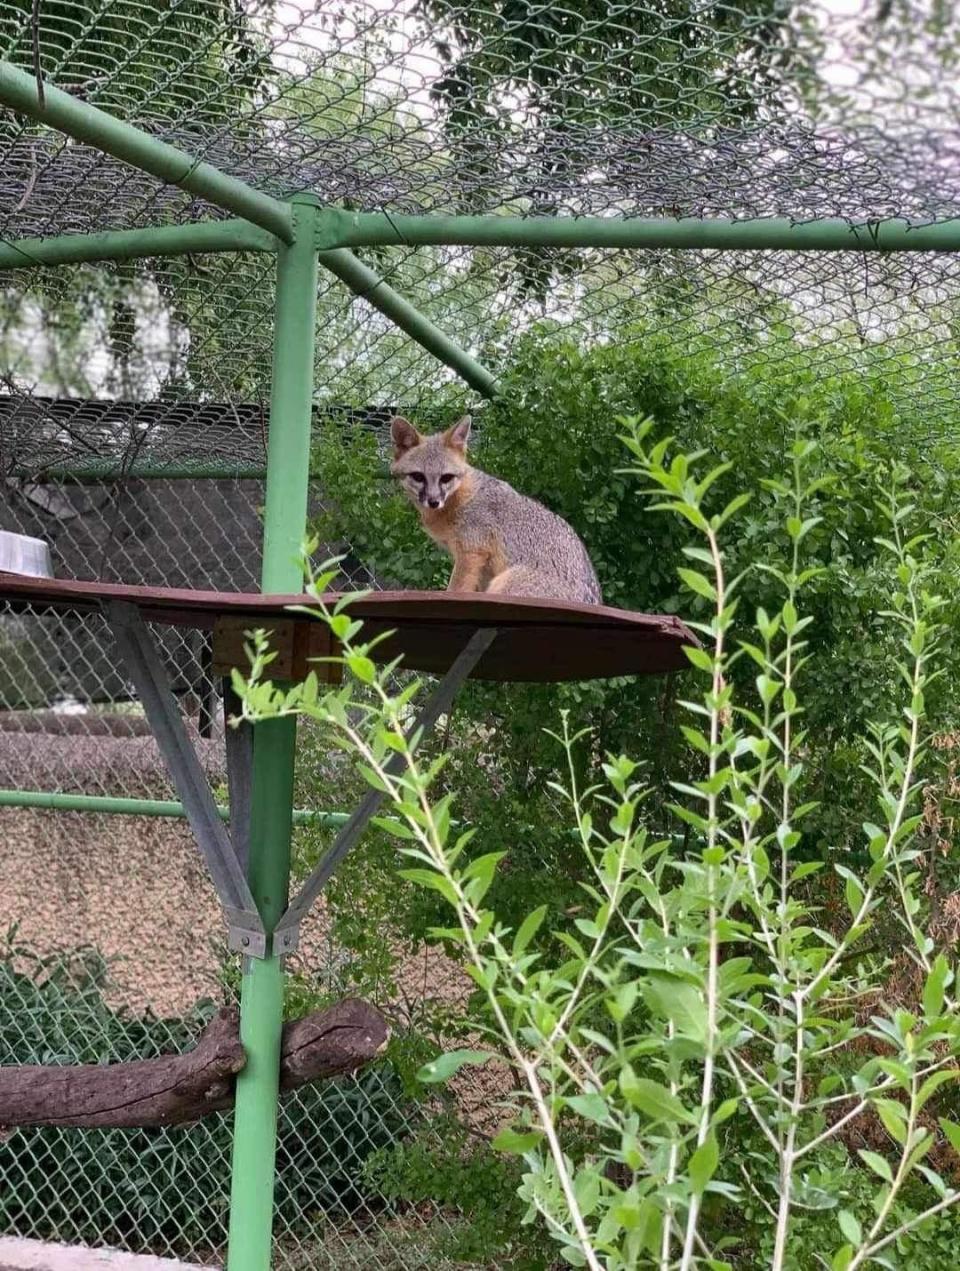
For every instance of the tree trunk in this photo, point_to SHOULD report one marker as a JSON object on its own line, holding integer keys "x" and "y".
{"x": 174, "y": 1089}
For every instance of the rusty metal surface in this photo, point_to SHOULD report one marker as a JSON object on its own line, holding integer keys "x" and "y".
{"x": 540, "y": 640}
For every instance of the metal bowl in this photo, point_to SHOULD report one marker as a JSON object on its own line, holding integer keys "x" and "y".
{"x": 29, "y": 557}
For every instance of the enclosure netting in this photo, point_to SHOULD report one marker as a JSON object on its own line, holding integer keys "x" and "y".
{"x": 133, "y": 419}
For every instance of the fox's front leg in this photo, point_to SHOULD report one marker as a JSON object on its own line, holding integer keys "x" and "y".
{"x": 468, "y": 571}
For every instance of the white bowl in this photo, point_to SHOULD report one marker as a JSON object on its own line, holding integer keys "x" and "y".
{"x": 29, "y": 557}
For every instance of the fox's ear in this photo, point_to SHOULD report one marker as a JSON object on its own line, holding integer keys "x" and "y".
{"x": 458, "y": 434}
{"x": 403, "y": 435}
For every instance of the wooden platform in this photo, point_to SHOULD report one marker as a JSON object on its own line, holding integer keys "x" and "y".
{"x": 538, "y": 640}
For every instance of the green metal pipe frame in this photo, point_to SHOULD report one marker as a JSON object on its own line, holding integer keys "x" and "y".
{"x": 303, "y": 235}
{"x": 107, "y": 805}
{"x": 368, "y": 284}
{"x": 369, "y": 229}
{"x": 87, "y": 123}
{"x": 240, "y": 236}
{"x": 285, "y": 514}
{"x": 133, "y": 244}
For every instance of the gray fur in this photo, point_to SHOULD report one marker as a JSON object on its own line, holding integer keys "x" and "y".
{"x": 543, "y": 552}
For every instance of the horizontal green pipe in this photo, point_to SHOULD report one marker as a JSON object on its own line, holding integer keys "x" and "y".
{"x": 366, "y": 283}
{"x": 368, "y": 229}
{"x": 132, "y": 244}
{"x": 83, "y": 122}
{"x": 57, "y": 802}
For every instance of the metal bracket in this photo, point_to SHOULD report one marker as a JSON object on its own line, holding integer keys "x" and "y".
{"x": 287, "y": 934}
{"x": 142, "y": 662}
{"x": 239, "y": 747}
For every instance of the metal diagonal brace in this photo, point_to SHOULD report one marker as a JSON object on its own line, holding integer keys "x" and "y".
{"x": 142, "y": 662}
{"x": 239, "y": 745}
{"x": 287, "y": 934}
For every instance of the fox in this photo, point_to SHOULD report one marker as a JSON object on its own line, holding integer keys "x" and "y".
{"x": 501, "y": 541}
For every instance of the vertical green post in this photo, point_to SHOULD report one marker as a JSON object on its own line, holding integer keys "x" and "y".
{"x": 261, "y": 1000}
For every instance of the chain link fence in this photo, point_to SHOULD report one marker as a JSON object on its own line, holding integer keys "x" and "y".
{"x": 133, "y": 427}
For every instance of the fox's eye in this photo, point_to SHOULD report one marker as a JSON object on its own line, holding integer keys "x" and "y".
{"x": 447, "y": 477}
{"x": 416, "y": 476}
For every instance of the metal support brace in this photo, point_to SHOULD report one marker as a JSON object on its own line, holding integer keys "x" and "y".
{"x": 287, "y": 934}
{"x": 239, "y": 745}
{"x": 142, "y": 662}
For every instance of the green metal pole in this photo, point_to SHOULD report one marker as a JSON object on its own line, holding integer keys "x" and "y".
{"x": 367, "y": 229}
{"x": 84, "y": 122}
{"x": 132, "y": 244}
{"x": 107, "y": 805}
{"x": 261, "y": 1001}
{"x": 368, "y": 284}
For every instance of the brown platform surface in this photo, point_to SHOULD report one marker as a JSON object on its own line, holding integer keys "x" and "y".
{"x": 538, "y": 640}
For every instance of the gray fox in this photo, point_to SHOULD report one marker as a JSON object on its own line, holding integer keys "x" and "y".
{"x": 500, "y": 540}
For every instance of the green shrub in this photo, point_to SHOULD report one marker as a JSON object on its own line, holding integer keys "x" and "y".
{"x": 553, "y": 432}
{"x": 699, "y": 1000}
{"x": 458, "y": 1170}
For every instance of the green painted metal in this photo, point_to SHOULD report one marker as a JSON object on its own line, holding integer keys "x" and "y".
{"x": 56, "y": 801}
{"x": 368, "y": 284}
{"x": 367, "y": 229}
{"x": 84, "y": 122}
{"x": 133, "y": 244}
{"x": 261, "y": 1001}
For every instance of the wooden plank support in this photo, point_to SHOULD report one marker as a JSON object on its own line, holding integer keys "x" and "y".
{"x": 296, "y": 643}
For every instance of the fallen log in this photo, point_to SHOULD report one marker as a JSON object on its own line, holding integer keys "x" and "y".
{"x": 174, "y": 1089}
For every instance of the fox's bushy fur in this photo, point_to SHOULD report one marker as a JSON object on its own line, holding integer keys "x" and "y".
{"x": 501, "y": 541}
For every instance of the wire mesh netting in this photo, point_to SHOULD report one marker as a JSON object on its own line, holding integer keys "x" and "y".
{"x": 134, "y": 422}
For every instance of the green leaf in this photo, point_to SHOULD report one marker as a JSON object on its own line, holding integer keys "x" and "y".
{"x": 703, "y": 1164}
{"x": 698, "y": 583}
{"x": 952, "y": 1132}
{"x": 451, "y": 1061}
{"x": 725, "y": 1111}
{"x": 893, "y": 1117}
{"x": 572, "y": 1255}
{"x": 592, "y": 1107}
{"x": 700, "y": 658}
{"x": 933, "y": 989}
{"x": 433, "y": 882}
{"x": 361, "y": 667}
{"x": 853, "y": 894}
{"x": 877, "y": 1163}
{"x": 652, "y": 1099}
{"x": 390, "y": 825}
{"x": 679, "y": 1002}
{"x": 842, "y": 1258}
{"x": 934, "y": 1082}
{"x": 528, "y": 929}
{"x": 516, "y": 1143}
{"x": 804, "y": 870}
{"x": 478, "y": 875}
{"x": 850, "y": 1228}
{"x": 734, "y": 506}
{"x": 622, "y": 1002}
